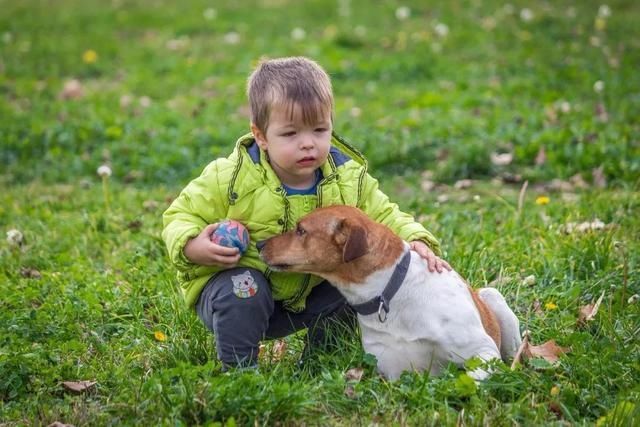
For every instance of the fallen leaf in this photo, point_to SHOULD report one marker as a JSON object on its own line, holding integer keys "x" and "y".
{"x": 78, "y": 386}
{"x": 589, "y": 311}
{"x": 354, "y": 374}
{"x": 518, "y": 357}
{"x": 501, "y": 159}
{"x": 30, "y": 273}
{"x": 537, "y": 308}
{"x": 72, "y": 89}
{"x": 549, "y": 351}
{"x": 463, "y": 184}
{"x": 601, "y": 112}
{"x": 583, "y": 227}
{"x": 350, "y": 391}
{"x": 59, "y": 424}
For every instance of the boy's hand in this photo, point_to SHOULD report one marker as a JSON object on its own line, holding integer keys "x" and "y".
{"x": 201, "y": 250}
{"x": 434, "y": 262}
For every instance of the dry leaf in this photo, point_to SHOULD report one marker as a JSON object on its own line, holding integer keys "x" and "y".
{"x": 589, "y": 311}
{"x": 354, "y": 374}
{"x": 601, "y": 112}
{"x": 72, "y": 89}
{"x": 501, "y": 159}
{"x": 350, "y": 391}
{"x": 541, "y": 157}
{"x": 463, "y": 184}
{"x": 59, "y": 424}
{"x": 30, "y": 273}
{"x": 549, "y": 351}
{"x": 583, "y": 227}
{"x": 78, "y": 386}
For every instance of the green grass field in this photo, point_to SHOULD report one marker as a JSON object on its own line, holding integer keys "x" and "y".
{"x": 434, "y": 93}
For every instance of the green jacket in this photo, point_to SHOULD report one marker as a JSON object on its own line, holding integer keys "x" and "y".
{"x": 244, "y": 187}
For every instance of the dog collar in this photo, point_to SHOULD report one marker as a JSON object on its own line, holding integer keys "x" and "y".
{"x": 380, "y": 303}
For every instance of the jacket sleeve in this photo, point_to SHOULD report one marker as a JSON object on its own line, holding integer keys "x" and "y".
{"x": 200, "y": 203}
{"x": 377, "y": 205}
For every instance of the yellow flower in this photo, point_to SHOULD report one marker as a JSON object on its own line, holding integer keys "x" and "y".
{"x": 89, "y": 56}
{"x": 550, "y": 306}
{"x": 555, "y": 390}
{"x": 160, "y": 336}
{"x": 542, "y": 200}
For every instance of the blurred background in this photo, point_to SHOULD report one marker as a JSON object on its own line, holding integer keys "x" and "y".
{"x": 450, "y": 90}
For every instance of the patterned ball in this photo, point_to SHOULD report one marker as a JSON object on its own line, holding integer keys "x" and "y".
{"x": 232, "y": 234}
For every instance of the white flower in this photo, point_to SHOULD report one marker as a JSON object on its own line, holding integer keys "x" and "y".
{"x": 604, "y": 11}
{"x": 526, "y": 15}
{"x": 441, "y": 29}
{"x": 144, "y": 101}
{"x": 403, "y": 12}
{"x": 298, "y": 33}
{"x": 355, "y": 112}
{"x": 633, "y": 298}
{"x": 7, "y": 37}
{"x": 125, "y": 100}
{"x": 104, "y": 171}
{"x": 210, "y": 14}
{"x": 565, "y": 107}
{"x": 232, "y": 38}
{"x": 15, "y": 238}
{"x": 598, "y": 86}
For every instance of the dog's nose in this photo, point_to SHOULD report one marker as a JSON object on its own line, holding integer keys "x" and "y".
{"x": 260, "y": 244}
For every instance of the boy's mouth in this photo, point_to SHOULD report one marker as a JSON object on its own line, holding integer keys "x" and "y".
{"x": 306, "y": 160}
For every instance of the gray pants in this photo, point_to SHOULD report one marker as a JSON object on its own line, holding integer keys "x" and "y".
{"x": 237, "y": 306}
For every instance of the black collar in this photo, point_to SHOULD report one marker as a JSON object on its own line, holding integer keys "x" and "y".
{"x": 381, "y": 303}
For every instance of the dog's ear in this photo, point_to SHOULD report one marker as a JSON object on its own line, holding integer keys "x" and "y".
{"x": 353, "y": 239}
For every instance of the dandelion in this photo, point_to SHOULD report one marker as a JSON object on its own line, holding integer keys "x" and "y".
{"x": 104, "y": 171}
{"x": 600, "y": 24}
{"x": 403, "y": 13}
{"x": 210, "y": 14}
{"x": 441, "y": 29}
{"x": 232, "y": 38}
{"x": 526, "y": 15}
{"x": 159, "y": 336}
{"x": 542, "y": 200}
{"x": 598, "y": 86}
{"x": 604, "y": 11}
{"x": 89, "y": 56}
{"x": 550, "y": 305}
{"x": 555, "y": 390}
{"x": 15, "y": 238}
{"x": 529, "y": 280}
{"x": 565, "y": 107}
{"x": 298, "y": 33}
{"x": 633, "y": 298}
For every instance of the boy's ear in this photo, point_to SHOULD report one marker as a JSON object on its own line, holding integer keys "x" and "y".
{"x": 259, "y": 137}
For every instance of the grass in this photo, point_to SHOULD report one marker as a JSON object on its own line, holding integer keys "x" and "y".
{"x": 85, "y": 294}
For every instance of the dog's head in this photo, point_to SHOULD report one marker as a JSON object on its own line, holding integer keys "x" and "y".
{"x": 322, "y": 242}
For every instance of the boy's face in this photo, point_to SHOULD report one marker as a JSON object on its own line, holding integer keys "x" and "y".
{"x": 295, "y": 149}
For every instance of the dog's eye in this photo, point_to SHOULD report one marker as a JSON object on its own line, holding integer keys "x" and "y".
{"x": 300, "y": 231}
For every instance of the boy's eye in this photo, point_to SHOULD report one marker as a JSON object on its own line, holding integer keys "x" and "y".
{"x": 289, "y": 133}
{"x": 321, "y": 129}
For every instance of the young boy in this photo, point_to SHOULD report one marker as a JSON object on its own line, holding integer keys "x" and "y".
{"x": 288, "y": 165}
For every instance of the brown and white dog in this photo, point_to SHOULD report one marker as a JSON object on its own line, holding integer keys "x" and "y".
{"x": 410, "y": 318}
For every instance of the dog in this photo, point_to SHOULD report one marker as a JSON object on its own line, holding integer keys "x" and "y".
{"x": 410, "y": 319}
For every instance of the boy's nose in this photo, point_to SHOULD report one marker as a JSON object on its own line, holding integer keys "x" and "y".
{"x": 260, "y": 244}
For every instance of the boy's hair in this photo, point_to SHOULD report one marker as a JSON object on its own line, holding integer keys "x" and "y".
{"x": 289, "y": 82}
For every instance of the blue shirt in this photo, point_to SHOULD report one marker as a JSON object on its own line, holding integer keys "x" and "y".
{"x": 311, "y": 190}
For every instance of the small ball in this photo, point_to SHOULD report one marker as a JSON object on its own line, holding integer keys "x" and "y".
{"x": 231, "y": 234}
